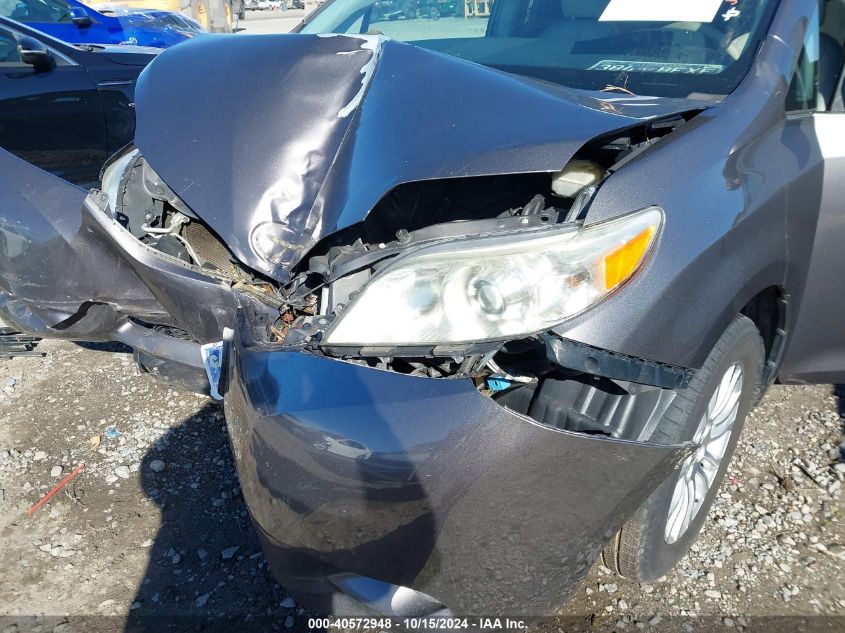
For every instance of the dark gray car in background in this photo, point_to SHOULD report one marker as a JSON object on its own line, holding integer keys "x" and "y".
{"x": 486, "y": 298}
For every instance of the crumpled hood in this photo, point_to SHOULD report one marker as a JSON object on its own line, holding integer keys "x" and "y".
{"x": 311, "y": 131}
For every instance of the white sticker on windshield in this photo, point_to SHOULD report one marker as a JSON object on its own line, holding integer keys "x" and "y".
{"x": 617, "y": 66}
{"x": 661, "y": 11}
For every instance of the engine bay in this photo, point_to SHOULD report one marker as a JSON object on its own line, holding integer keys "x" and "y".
{"x": 539, "y": 374}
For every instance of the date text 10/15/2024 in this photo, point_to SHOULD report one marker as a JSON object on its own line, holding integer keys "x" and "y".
{"x": 421, "y": 623}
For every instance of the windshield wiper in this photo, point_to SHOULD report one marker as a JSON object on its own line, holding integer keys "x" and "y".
{"x": 612, "y": 88}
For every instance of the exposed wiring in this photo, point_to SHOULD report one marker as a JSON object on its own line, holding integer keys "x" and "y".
{"x": 500, "y": 373}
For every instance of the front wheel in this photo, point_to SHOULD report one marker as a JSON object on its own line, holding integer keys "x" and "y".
{"x": 709, "y": 412}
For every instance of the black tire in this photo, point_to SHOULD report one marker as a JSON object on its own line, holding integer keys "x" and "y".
{"x": 640, "y": 550}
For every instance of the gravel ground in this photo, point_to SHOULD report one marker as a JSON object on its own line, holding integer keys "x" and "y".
{"x": 155, "y": 526}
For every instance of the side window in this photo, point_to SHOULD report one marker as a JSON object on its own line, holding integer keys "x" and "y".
{"x": 832, "y": 55}
{"x": 8, "y": 49}
{"x": 803, "y": 92}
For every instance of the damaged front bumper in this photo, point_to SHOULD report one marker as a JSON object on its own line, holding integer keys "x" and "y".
{"x": 400, "y": 493}
{"x": 413, "y": 495}
{"x": 155, "y": 294}
{"x": 69, "y": 270}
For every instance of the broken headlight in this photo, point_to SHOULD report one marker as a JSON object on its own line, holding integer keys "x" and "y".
{"x": 115, "y": 179}
{"x": 113, "y": 176}
{"x": 495, "y": 287}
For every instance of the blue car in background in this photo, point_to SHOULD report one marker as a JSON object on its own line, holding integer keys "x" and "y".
{"x": 74, "y": 22}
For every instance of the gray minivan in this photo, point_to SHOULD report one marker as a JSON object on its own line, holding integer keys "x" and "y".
{"x": 486, "y": 297}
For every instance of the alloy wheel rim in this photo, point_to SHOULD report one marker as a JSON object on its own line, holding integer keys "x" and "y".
{"x": 698, "y": 472}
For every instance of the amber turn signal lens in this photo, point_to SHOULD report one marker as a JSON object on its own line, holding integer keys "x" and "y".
{"x": 624, "y": 261}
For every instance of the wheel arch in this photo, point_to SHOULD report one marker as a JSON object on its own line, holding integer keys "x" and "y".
{"x": 763, "y": 299}
{"x": 769, "y": 310}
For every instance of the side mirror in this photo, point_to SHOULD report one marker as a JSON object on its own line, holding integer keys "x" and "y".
{"x": 80, "y": 18}
{"x": 35, "y": 54}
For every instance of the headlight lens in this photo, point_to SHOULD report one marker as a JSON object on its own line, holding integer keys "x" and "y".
{"x": 495, "y": 287}
{"x": 153, "y": 184}
{"x": 272, "y": 241}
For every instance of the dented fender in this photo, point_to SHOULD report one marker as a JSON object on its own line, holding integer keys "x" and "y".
{"x": 68, "y": 270}
{"x": 50, "y": 263}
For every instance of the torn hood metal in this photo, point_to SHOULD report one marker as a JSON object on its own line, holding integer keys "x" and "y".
{"x": 310, "y": 131}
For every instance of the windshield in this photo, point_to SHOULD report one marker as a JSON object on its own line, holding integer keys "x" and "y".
{"x": 670, "y": 48}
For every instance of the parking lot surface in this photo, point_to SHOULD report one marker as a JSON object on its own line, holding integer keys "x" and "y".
{"x": 155, "y": 527}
